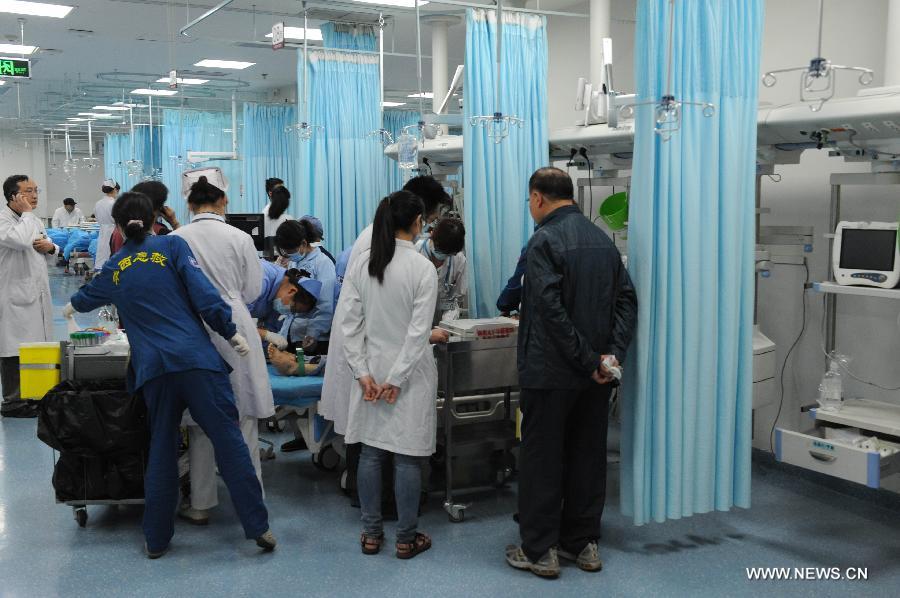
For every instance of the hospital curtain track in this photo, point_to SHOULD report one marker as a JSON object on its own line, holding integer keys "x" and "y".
{"x": 687, "y": 409}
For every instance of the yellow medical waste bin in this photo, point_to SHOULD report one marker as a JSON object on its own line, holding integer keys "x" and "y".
{"x": 39, "y": 365}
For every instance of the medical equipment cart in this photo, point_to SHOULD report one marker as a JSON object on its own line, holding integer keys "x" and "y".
{"x": 473, "y": 368}
{"x": 93, "y": 363}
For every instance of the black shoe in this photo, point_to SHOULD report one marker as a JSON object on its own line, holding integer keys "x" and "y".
{"x": 154, "y": 554}
{"x": 298, "y": 444}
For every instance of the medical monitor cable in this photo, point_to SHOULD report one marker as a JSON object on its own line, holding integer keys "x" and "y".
{"x": 844, "y": 367}
{"x": 787, "y": 358}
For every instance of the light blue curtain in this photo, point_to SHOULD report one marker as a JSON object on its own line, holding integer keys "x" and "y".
{"x": 189, "y": 130}
{"x": 268, "y": 150}
{"x": 117, "y": 151}
{"x": 341, "y": 36}
{"x": 496, "y": 175}
{"x": 342, "y": 167}
{"x": 687, "y": 431}
{"x": 393, "y": 122}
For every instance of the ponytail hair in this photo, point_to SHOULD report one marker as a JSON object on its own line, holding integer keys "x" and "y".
{"x": 133, "y": 213}
{"x": 396, "y": 212}
{"x": 204, "y": 193}
{"x": 281, "y": 199}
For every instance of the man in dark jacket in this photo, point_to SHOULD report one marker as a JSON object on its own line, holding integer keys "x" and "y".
{"x": 579, "y": 311}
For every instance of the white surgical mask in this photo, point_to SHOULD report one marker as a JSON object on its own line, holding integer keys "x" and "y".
{"x": 280, "y": 307}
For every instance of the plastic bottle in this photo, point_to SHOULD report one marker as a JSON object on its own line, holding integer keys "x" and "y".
{"x": 301, "y": 362}
{"x": 408, "y": 152}
{"x": 831, "y": 390}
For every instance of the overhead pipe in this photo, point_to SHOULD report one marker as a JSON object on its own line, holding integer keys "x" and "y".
{"x": 183, "y": 31}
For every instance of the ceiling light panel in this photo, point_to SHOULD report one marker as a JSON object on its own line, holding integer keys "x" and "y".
{"x": 181, "y": 81}
{"x": 224, "y": 64}
{"x": 35, "y": 9}
{"x": 425, "y": 94}
{"x": 17, "y": 49}
{"x": 400, "y": 3}
{"x": 153, "y": 92}
{"x": 114, "y": 108}
{"x": 297, "y": 33}
{"x": 392, "y": 104}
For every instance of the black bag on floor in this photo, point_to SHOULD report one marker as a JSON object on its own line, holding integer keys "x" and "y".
{"x": 76, "y": 477}
{"x": 92, "y": 418}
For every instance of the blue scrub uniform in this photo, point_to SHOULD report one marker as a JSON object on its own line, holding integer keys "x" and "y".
{"x": 161, "y": 294}
{"x": 322, "y": 269}
{"x": 262, "y": 309}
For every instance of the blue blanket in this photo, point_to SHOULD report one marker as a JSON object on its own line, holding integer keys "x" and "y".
{"x": 79, "y": 240}
{"x": 297, "y": 391}
{"x": 59, "y": 236}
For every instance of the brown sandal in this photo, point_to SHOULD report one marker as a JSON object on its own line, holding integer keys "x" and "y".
{"x": 408, "y": 550}
{"x": 371, "y": 544}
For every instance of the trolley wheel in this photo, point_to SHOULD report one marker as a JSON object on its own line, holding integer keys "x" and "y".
{"x": 345, "y": 481}
{"x": 457, "y": 516}
{"x": 326, "y": 459}
{"x": 81, "y": 516}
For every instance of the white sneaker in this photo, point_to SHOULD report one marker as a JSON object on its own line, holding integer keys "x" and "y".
{"x": 194, "y": 516}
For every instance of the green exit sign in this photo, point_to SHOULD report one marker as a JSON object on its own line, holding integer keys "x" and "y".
{"x": 16, "y": 68}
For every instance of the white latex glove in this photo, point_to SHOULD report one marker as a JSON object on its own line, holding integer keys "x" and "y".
{"x": 273, "y": 338}
{"x": 68, "y": 311}
{"x": 240, "y": 345}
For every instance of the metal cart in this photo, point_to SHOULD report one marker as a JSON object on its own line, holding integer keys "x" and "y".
{"x": 80, "y": 365}
{"x": 467, "y": 369}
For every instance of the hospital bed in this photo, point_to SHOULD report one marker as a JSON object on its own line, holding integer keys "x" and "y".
{"x": 296, "y": 404}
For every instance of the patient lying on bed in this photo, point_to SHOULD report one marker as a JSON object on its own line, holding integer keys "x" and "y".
{"x": 286, "y": 363}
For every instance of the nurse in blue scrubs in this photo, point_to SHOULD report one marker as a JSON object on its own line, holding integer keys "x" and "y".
{"x": 164, "y": 298}
{"x": 294, "y": 240}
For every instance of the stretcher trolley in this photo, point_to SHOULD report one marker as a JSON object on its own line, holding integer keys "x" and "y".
{"x": 477, "y": 381}
{"x": 97, "y": 430}
{"x": 296, "y": 403}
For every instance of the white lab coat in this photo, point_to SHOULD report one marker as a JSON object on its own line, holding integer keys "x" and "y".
{"x": 228, "y": 258}
{"x": 26, "y": 309}
{"x": 386, "y": 333}
{"x": 103, "y": 214}
{"x": 334, "y": 404}
{"x": 62, "y": 217}
{"x": 270, "y": 225}
{"x": 453, "y": 285}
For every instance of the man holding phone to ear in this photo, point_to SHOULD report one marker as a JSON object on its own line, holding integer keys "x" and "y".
{"x": 26, "y": 309}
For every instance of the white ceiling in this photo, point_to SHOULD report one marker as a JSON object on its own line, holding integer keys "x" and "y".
{"x": 107, "y": 47}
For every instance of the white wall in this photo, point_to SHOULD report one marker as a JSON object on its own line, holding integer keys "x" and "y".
{"x": 568, "y": 47}
{"x": 25, "y": 157}
{"x": 84, "y": 186}
{"x": 867, "y": 329}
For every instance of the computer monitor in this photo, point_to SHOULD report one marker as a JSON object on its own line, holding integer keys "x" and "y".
{"x": 252, "y": 224}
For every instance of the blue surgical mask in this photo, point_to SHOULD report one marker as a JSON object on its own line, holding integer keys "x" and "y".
{"x": 439, "y": 255}
{"x": 280, "y": 307}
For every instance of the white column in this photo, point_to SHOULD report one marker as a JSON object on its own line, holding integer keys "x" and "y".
{"x": 600, "y": 27}
{"x": 892, "y": 45}
{"x": 439, "y": 82}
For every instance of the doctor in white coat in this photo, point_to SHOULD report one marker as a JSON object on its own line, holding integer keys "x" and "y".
{"x": 26, "y": 313}
{"x": 336, "y": 386}
{"x": 103, "y": 214}
{"x": 228, "y": 257}
{"x": 391, "y": 294}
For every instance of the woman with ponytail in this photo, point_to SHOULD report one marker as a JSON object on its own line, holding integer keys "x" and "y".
{"x": 164, "y": 298}
{"x": 391, "y": 291}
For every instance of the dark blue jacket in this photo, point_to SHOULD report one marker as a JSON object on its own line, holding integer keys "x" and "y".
{"x": 161, "y": 294}
{"x": 578, "y": 303}
{"x": 511, "y": 295}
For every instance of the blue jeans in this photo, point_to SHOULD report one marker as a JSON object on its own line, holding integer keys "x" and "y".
{"x": 209, "y": 398}
{"x": 407, "y": 490}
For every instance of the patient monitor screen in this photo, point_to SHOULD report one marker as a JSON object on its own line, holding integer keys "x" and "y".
{"x": 869, "y": 250}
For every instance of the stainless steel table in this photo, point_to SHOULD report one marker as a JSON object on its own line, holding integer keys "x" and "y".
{"x": 472, "y": 368}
